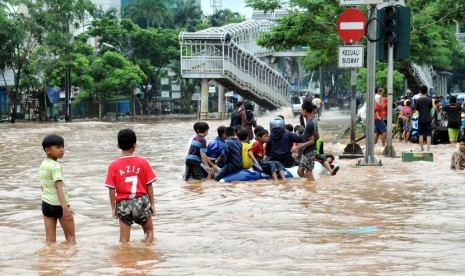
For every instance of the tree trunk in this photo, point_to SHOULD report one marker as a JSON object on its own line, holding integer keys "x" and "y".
{"x": 13, "y": 104}
{"x": 100, "y": 110}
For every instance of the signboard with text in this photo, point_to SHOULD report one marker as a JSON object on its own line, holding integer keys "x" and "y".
{"x": 351, "y": 56}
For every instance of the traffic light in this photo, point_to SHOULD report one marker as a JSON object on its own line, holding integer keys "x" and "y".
{"x": 390, "y": 25}
{"x": 393, "y": 29}
{"x": 402, "y": 49}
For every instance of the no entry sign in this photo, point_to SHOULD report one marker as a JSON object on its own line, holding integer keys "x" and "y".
{"x": 351, "y": 25}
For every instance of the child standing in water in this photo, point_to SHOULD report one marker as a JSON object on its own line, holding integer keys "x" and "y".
{"x": 196, "y": 155}
{"x": 55, "y": 199}
{"x": 129, "y": 180}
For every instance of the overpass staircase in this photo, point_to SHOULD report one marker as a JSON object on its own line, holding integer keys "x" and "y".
{"x": 230, "y": 56}
{"x": 421, "y": 74}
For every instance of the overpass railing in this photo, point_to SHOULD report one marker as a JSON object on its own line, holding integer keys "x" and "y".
{"x": 214, "y": 53}
{"x": 423, "y": 74}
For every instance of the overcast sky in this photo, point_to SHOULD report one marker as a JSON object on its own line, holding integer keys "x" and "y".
{"x": 233, "y": 5}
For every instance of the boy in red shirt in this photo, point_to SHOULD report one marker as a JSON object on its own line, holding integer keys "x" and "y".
{"x": 130, "y": 181}
{"x": 272, "y": 168}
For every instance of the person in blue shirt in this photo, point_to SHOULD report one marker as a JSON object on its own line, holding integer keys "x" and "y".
{"x": 231, "y": 155}
{"x": 196, "y": 153}
{"x": 280, "y": 143}
{"x": 216, "y": 146}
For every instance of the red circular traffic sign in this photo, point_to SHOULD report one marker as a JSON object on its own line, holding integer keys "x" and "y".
{"x": 351, "y": 25}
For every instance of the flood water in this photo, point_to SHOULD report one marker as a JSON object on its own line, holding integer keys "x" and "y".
{"x": 396, "y": 219}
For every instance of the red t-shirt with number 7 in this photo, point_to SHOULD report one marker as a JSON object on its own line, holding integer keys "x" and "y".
{"x": 129, "y": 175}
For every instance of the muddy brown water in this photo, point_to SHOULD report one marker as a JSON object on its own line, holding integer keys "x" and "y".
{"x": 397, "y": 219}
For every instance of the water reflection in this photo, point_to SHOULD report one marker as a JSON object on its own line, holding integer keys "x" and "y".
{"x": 133, "y": 259}
{"x": 55, "y": 259}
{"x": 397, "y": 219}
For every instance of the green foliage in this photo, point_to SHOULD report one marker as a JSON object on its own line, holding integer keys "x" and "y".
{"x": 225, "y": 17}
{"x": 112, "y": 72}
{"x": 314, "y": 22}
{"x": 44, "y": 33}
{"x": 381, "y": 80}
{"x": 187, "y": 14}
{"x": 264, "y": 5}
{"x": 150, "y": 13}
{"x": 152, "y": 49}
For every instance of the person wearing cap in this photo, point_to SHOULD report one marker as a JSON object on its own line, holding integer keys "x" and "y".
{"x": 280, "y": 143}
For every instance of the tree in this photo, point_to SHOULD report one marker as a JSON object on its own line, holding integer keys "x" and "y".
{"x": 224, "y": 17}
{"x": 381, "y": 78}
{"x": 149, "y": 13}
{"x": 79, "y": 62}
{"x": 112, "y": 72}
{"x": 187, "y": 14}
{"x": 48, "y": 23}
{"x": 152, "y": 49}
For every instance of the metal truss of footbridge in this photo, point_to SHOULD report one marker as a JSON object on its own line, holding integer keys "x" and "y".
{"x": 230, "y": 56}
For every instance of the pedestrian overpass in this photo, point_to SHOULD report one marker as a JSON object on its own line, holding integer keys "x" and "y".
{"x": 230, "y": 56}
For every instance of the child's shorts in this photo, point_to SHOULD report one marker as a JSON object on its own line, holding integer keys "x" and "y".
{"x": 134, "y": 210}
{"x": 408, "y": 127}
{"x": 453, "y": 134}
{"x": 308, "y": 161}
{"x": 51, "y": 211}
{"x": 380, "y": 126}
{"x": 193, "y": 170}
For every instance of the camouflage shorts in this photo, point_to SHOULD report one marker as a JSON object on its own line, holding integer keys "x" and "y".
{"x": 134, "y": 210}
{"x": 307, "y": 161}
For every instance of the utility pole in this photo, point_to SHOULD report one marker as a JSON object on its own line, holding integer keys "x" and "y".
{"x": 389, "y": 149}
{"x": 68, "y": 95}
{"x": 353, "y": 149}
{"x": 369, "y": 159}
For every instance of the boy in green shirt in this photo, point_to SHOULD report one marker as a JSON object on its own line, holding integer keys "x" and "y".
{"x": 55, "y": 200}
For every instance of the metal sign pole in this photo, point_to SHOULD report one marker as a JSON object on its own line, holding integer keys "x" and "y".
{"x": 353, "y": 150}
{"x": 389, "y": 149}
{"x": 369, "y": 159}
{"x": 353, "y": 105}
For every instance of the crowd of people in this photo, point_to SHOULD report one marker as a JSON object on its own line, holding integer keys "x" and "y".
{"x": 245, "y": 145}
{"x": 420, "y": 115}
